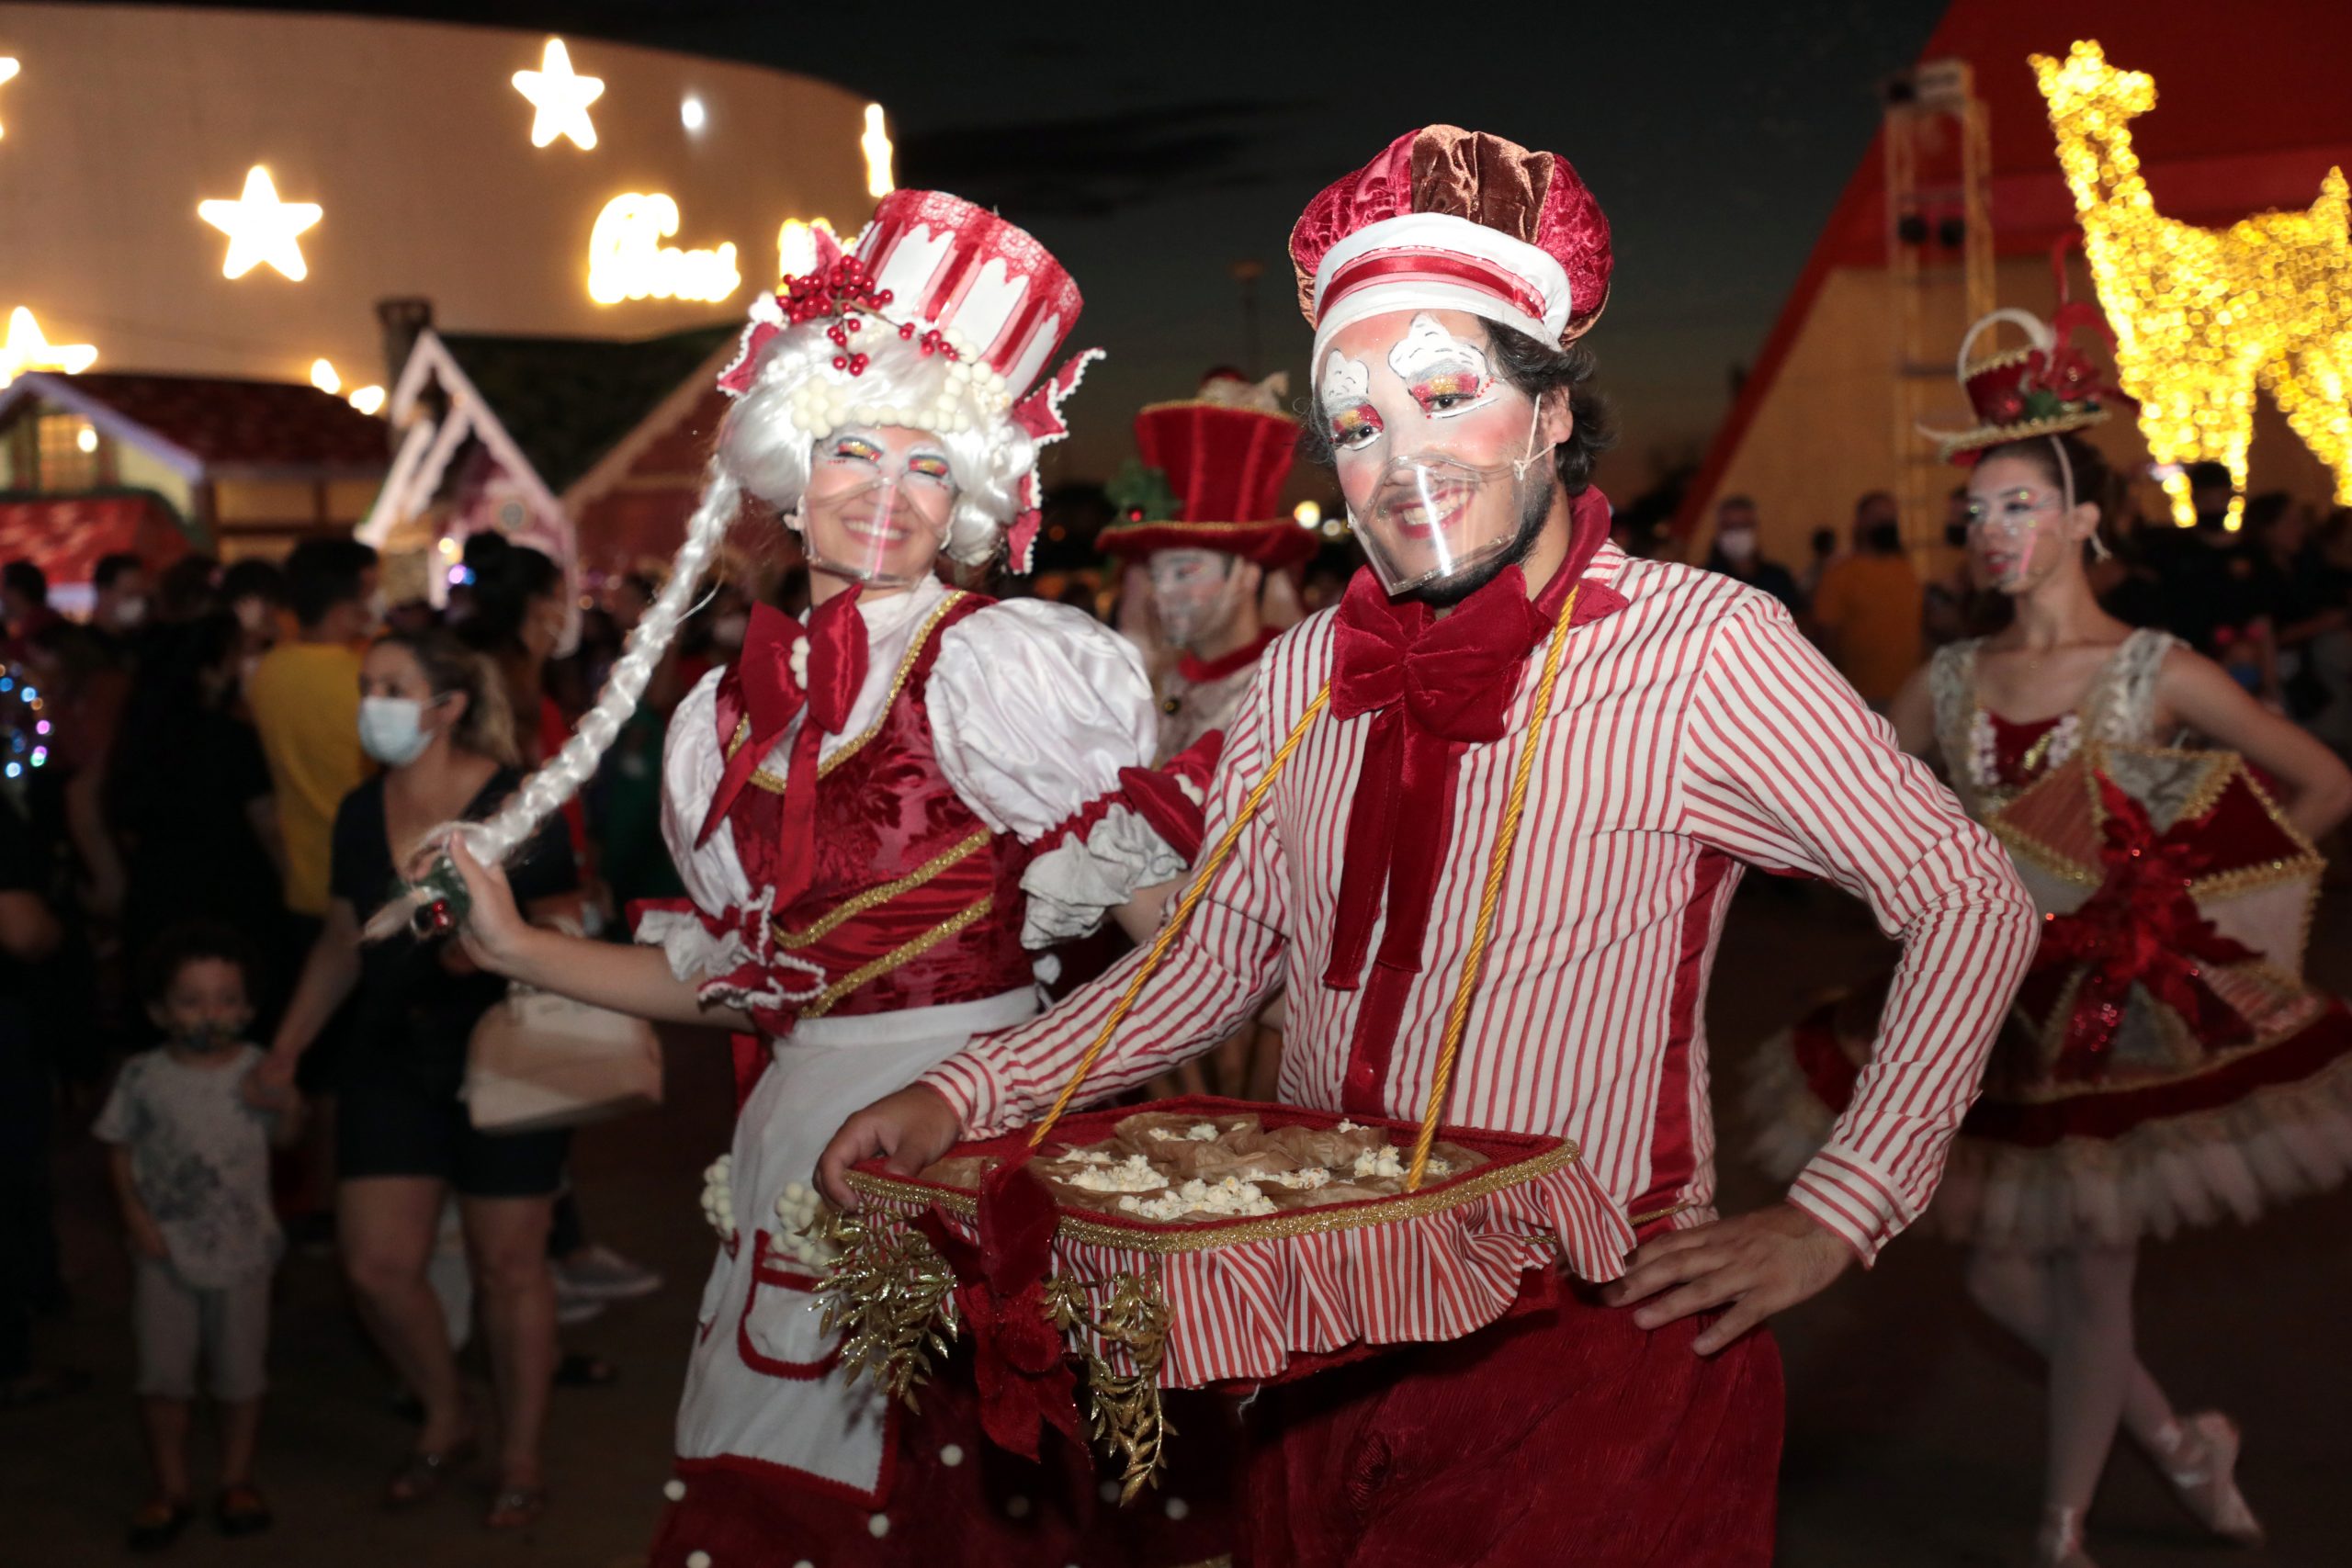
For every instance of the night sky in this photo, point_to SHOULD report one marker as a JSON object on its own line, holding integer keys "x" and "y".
{"x": 1153, "y": 146}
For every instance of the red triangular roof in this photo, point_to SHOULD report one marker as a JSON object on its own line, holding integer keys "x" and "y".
{"x": 230, "y": 424}
{"x": 2251, "y": 114}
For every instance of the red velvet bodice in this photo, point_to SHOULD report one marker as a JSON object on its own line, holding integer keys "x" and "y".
{"x": 913, "y": 901}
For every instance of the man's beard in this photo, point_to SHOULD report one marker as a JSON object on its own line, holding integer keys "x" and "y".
{"x": 1534, "y": 514}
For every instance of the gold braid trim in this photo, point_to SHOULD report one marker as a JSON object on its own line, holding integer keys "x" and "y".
{"x": 1482, "y": 1183}
{"x": 905, "y": 952}
{"x": 774, "y": 784}
{"x": 850, "y": 909}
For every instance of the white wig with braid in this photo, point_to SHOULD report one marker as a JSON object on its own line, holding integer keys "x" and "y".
{"x": 765, "y": 447}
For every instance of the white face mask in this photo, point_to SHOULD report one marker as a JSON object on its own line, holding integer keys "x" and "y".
{"x": 1737, "y": 544}
{"x": 392, "y": 730}
{"x": 130, "y": 610}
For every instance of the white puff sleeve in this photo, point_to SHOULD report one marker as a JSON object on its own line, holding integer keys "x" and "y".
{"x": 717, "y": 935}
{"x": 1035, "y": 709}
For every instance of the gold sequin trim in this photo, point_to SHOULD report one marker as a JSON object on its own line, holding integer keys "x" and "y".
{"x": 1301, "y": 1222}
{"x": 905, "y": 952}
{"x": 850, "y": 909}
{"x": 773, "y": 782}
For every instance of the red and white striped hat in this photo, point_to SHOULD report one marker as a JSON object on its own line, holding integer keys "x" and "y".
{"x": 1452, "y": 219}
{"x": 990, "y": 289}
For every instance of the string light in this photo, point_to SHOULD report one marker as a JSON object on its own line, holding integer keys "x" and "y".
{"x": 627, "y": 261}
{"x": 261, "y": 228}
{"x": 85, "y": 439}
{"x": 324, "y": 376}
{"x": 1307, "y": 514}
{"x": 8, "y": 69}
{"x": 876, "y": 144}
{"x": 2203, "y": 316}
{"x": 562, "y": 98}
{"x": 25, "y": 349}
{"x": 796, "y": 246}
{"x": 368, "y": 400}
{"x": 691, "y": 113}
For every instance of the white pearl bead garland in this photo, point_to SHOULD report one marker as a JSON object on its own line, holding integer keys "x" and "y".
{"x": 796, "y": 1211}
{"x": 718, "y": 1197}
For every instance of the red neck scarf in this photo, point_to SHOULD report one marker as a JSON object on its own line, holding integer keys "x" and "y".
{"x": 771, "y": 697}
{"x": 1201, "y": 671}
{"x": 1431, "y": 687}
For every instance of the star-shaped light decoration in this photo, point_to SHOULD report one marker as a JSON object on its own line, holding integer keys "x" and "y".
{"x": 8, "y": 69}
{"x": 26, "y": 349}
{"x": 562, "y": 98}
{"x": 261, "y": 228}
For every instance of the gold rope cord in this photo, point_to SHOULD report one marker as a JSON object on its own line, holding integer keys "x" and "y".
{"x": 1184, "y": 907}
{"x": 1481, "y": 931}
{"x": 1498, "y": 866}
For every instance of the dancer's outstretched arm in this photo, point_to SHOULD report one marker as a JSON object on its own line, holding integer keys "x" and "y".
{"x": 630, "y": 979}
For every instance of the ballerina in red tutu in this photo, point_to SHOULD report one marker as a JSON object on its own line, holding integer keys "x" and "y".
{"x": 2164, "y": 1065}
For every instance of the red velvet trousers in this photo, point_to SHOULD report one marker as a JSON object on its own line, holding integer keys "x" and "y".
{"x": 1563, "y": 1436}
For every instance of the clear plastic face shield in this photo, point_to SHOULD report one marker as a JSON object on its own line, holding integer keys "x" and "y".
{"x": 877, "y": 505}
{"x": 2011, "y": 505}
{"x": 1440, "y": 460}
{"x": 1192, "y": 592}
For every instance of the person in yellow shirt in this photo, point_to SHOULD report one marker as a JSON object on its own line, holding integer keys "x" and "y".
{"x": 1867, "y": 608}
{"x": 304, "y": 695}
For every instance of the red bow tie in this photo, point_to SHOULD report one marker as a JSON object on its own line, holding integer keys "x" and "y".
{"x": 770, "y": 696}
{"x": 1432, "y": 687}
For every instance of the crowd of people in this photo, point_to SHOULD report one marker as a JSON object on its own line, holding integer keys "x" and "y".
{"x": 239, "y": 763}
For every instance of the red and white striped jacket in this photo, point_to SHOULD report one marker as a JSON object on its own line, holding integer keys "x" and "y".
{"x": 1693, "y": 730}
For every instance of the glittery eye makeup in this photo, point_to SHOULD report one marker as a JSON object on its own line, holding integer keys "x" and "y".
{"x": 855, "y": 448}
{"x": 1447, "y": 376}
{"x": 1346, "y": 397}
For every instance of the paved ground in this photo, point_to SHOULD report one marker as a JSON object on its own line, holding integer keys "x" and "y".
{"x": 1914, "y": 1431}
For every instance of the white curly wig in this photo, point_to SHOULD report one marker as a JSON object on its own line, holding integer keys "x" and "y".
{"x": 796, "y": 399}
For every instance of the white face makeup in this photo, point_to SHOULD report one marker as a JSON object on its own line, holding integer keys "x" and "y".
{"x": 1437, "y": 456}
{"x": 2014, "y": 523}
{"x": 1189, "y": 593}
{"x": 877, "y": 504}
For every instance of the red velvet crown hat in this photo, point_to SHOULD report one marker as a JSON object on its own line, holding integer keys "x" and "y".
{"x": 1447, "y": 218}
{"x": 1211, "y": 478}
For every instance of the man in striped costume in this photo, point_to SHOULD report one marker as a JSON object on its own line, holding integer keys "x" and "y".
{"x": 1692, "y": 732}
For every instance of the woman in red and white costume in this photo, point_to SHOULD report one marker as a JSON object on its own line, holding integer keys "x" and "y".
{"x": 881, "y": 818}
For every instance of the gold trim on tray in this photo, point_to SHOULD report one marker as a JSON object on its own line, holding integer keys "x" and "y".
{"x": 1136, "y": 1238}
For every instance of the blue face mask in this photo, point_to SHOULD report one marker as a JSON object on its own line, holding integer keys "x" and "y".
{"x": 392, "y": 730}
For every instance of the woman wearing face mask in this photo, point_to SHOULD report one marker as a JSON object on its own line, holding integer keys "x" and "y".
{"x": 884, "y": 818}
{"x": 2159, "y": 1070}
{"x": 433, "y": 713}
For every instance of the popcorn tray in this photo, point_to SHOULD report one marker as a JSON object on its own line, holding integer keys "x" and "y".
{"x": 997, "y": 1243}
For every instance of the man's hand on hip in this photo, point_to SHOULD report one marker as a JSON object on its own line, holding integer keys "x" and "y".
{"x": 1751, "y": 1265}
{"x": 913, "y": 1127}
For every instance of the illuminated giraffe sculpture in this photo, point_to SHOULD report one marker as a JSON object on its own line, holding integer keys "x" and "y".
{"x": 2203, "y": 316}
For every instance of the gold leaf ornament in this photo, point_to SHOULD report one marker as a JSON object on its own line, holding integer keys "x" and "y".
{"x": 891, "y": 1295}
{"x": 1124, "y": 1412}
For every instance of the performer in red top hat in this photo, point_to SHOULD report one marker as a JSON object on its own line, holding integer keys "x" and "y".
{"x": 1201, "y": 516}
{"x": 883, "y": 819}
{"x": 1691, "y": 732}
